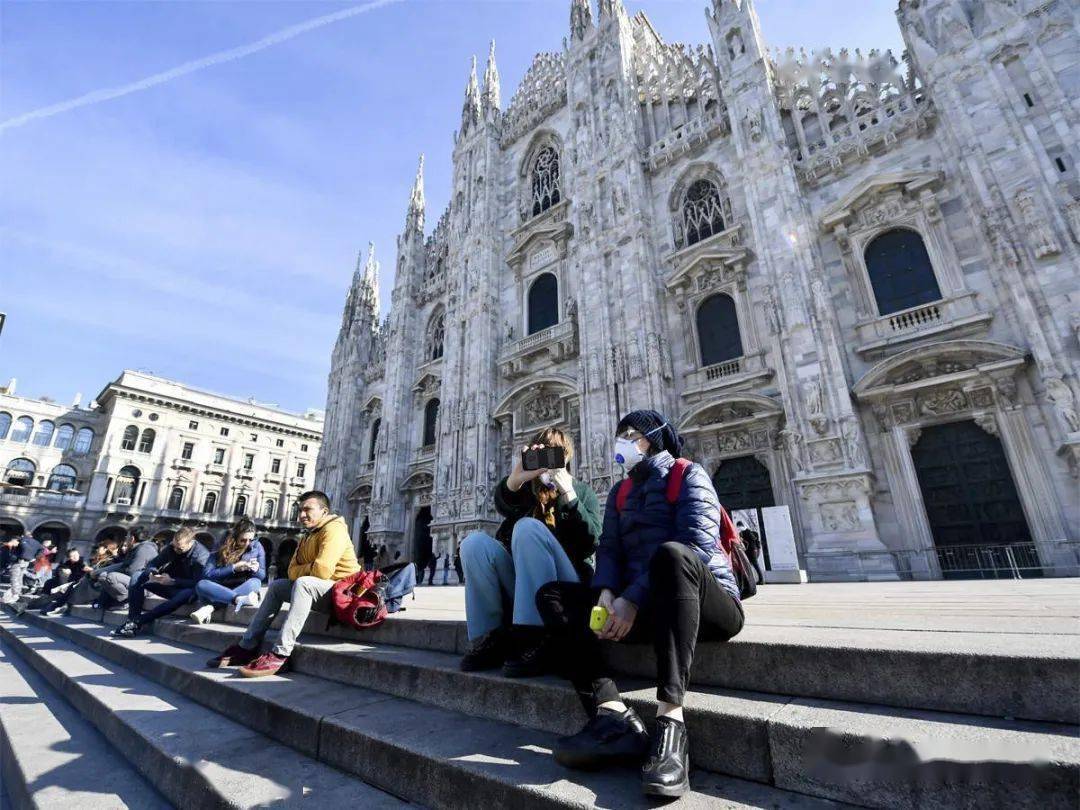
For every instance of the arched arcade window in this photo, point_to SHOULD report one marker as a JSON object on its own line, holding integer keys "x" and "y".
{"x": 268, "y": 509}
{"x": 146, "y": 441}
{"x": 718, "y": 330}
{"x": 294, "y": 511}
{"x": 5, "y": 424}
{"x": 240, "y": 508}
{"x": 900, "y": 271}
{"x": 436, "y": 331}
{"x": 63, "y": 476}
{"x": 209, "y": 504}
{"x": 176, "y": 498}
{"x": 127, "y": 484}
{"x": 702, "y": 211}
{"x": 374, "y": 439}
{"x": 83, "y": 439}
{"x": 130, "y": 437}
{"x": 431, "y": 418}
{"x": 44, "y": 433}
{"x": 546, "y": 188}
{"x": 24, "y": 426}
{"x": 20, "y": 472}
{"x": 64, "y": 435}
{"x": 543, "y": 302}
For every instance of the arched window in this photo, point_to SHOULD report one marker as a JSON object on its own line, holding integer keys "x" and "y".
{"x": 24, "y": 426}
{"x": 63, "y": 437}
{"x": 176, "y": 498}
{"x": 546, "y": 189}
{"x": 130, "y": 437}
{"x": 63, "y": 476}
{"x": 268, "y": 509}
{"x": 241, "y": 505}
{"x": 83, "y": 439}
{"x": 718, "y": 330}
{"x": 127, "y": 484}
{"x": 294, "y": 511}
{"x": 209, "y": 504}
{"x": 44, "y": 433}
{"x": 431, "y": 417}
{"x": 146, "y": 441}
{"x": 435, "y": 332}
{"x": 543, "y": 303}
{"x": 20, "y": 472}
{"x": 5, "y": 424}
{"x": 900, "y": 271}
{"x": 702, "y": 211}
{"x": 374, "y": 439}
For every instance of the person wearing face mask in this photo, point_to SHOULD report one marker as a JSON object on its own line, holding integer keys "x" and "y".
{"x": 550, "y": 527}
{"x": 660, "y": 577}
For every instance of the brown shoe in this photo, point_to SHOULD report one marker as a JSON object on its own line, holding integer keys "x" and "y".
{"x": 235, "y": 656}
{"x": 265, "y": 664}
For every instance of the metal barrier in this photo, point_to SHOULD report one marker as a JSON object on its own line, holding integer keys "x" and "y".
{"x": 1011, "y": 561}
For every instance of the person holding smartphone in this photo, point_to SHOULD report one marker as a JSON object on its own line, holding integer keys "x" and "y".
{"x": 235, "y": 575}
{"x": 551, "y": 524}
{"x": 660, "y": 577}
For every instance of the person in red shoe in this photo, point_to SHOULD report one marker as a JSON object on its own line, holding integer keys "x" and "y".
{"x": 324, "y": 555}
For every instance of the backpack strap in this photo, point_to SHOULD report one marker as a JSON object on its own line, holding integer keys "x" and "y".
{"x": 675, "y": 479}
{"x": 623, "y": 493}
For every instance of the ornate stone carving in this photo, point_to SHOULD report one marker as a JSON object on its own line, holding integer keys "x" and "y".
{"x": 1060, "y": 396}
{"x": 814, "y": 402}
{"x": 938, "y": 403}
{"x": 842, "y": 516}
{"x": 794, "y": 306}
{"x": 988, "y": 422}
{"x": 825, "y": 451}
{"x": 542, "y": 408}
{"x": 1039, "y": 234}
{"x": 1072, "y": 214}
{"x": 793, "y": 443}
{"x": 849, "y": 431}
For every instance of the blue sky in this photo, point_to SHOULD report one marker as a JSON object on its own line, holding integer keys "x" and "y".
{"x": 206, "y": 228}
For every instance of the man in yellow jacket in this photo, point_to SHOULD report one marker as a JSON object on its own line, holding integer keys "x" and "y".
{"x": 324, "y": 556}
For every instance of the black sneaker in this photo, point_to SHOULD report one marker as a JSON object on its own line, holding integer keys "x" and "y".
{"x": 610, "y": 738}
{"x": 128, "y": 629}
{"x": 532, "y": 656}
{"x": 667, "y": 770}
{"x": 487, "y": 652}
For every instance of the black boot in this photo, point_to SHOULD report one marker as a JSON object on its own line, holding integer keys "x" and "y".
{"x": 530, "y": 652}
{"x": 610, "y": 738}
{"x": 487, "y": 652}
{"x": 667, "y": 770}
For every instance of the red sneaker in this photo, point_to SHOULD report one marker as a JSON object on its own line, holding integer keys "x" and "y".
{"x": 265, "y": 664}
{"x": 235, "y": 656}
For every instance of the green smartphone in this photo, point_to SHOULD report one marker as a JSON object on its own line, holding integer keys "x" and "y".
{"x": 598, "y": 618}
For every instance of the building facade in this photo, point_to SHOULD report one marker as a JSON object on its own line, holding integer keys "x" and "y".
{"x": 853, "y": 283}
{"x": 153, "y": 453}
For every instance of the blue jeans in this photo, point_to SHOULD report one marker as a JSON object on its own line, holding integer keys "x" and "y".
{"x": 401, "y": 584}
{"x": 494, "y": 577}
{"x": 214, "y": 593}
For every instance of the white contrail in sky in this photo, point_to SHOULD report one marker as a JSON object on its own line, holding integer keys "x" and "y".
{"x": 191, "y": 67}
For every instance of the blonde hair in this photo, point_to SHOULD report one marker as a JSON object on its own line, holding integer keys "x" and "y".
{"x": 545, "y": 496}
{"x": 183, "y": 534}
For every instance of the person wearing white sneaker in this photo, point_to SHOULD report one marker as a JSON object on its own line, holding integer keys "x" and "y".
{"x": 237, "y": 572}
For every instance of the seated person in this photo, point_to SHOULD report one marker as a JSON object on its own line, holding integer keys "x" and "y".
{"x": 661, "y": 578}
{"x": 87, "y": 589}
{"x": 324, "y": 556}
{"x": 171, "y": 574}
{"x": 115, "y": 579}
{"x": 236, "y": 573}
{"x": 550, "y": 527}
{"x": 71, "y": 569}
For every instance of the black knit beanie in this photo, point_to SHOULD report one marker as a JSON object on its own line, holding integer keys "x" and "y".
{"x": 643, "y": 421}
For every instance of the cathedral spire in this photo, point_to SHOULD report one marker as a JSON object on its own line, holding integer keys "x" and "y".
{"x": 416, "y": 199}
{"x": 581, "y": 18}
{"x": 610, "y": 8}
{"x": 491, "y": 82}
{"x": 369, "y": 283}
{"x": 470, "y": 110}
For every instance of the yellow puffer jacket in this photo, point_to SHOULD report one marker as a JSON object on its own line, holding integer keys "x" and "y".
{"x": 325, "y": 552}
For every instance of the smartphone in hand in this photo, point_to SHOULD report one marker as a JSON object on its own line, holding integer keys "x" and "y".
{"x": 543, "y": 458}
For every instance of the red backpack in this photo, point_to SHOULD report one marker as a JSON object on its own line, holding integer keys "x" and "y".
{"x": 360, "y": 600}
{"x": 728, "y": 539}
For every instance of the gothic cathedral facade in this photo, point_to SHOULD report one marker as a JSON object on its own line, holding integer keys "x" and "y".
{"x": 853, "y": 283}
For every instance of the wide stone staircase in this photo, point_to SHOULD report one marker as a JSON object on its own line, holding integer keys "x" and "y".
{"x": 782, "y": 717}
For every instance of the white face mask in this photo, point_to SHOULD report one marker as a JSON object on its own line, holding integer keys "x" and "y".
{"x": 627, "y": 453}
{"x": 545, "y": 479}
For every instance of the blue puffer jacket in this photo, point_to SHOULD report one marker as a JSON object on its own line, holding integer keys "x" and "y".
{"x": 227, "y": 574}
{"x": 630, "y": 538}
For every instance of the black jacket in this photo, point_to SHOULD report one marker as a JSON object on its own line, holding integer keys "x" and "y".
{"x": 577, "y": 524}
{"x": 185, "y": 569}
{"x": 28, "y": 550}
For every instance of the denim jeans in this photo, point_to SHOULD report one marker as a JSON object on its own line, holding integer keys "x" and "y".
{"x": 304, "y": 595}
{"x": 214, "y": 593}
{"x": 15, "y": 588}
{"x": 175, "y": 597}
{"x": 401, "y": 584}
{"x": 494, "y": 577}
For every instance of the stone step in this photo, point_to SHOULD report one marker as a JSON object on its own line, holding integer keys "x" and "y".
{"x": 195, "y": 757}
{"x": 1004, "y": 675}
{"x": 849, "y": 752}
{"x": 431, "y": 755}
{"x": 52, "y": 758}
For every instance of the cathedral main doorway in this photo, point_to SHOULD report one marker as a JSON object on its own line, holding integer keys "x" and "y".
{"x": 744, "y": 484}
{"x": 974, "y": 511}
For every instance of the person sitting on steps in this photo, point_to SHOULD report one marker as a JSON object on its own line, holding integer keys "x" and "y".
{"x": 171, "y": 574}
{"x": 116, "y": 579}
{"x": 237, "y": 571}
{"x": 549, "y": 532}
{"x": 324, "y": 555}
{"x": 659, "y": 576}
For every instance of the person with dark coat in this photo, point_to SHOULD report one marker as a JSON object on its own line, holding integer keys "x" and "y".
{"x": 457, "y": 566}
{"x": 752, "y": 545}
{"x": 172, "y": 574}
{"x": 22, "y": 551}
{"x": 660, "y": 577}
{"x": 87, "y": 589}
{"x": 70, "y": 569}
{"x": 432, "y": 563}
{"x": 550, "y": 527}
{"x": 116, "y": 579}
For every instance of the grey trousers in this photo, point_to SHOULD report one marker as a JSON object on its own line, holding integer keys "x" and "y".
{"x": 304, "y": 595}
{"x": 115, "y": 584}
{"x": 15, "y": 588}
